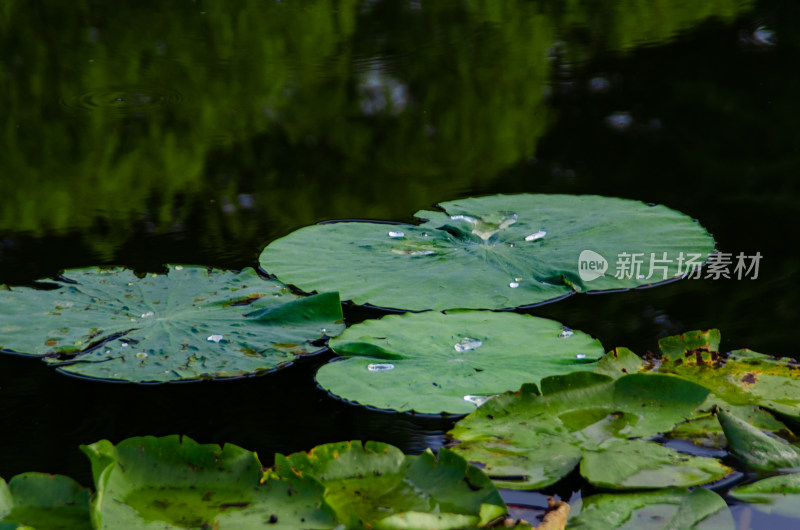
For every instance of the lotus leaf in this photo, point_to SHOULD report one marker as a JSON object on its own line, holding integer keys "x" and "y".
{"x": 526, "y": 440}
{"x": 494, "y": 252}
{"x": 375, "y": 486}
{"x": 742, "y": 377}
{"x": 450, "y": 363}
{"x": 779, "y": 495}
{"x": 674, "y": 508}
{"x": 755, "y": 448}
{"x": 190, "y": 323}
{"x": 39, "y": 500}
{"x": 172, "y": 482}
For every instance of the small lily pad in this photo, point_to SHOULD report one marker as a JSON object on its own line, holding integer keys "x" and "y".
{"x": 191, "y": 323}
{"x": 450, "y": 363}
{"x": 39, "y": 500}
{"x": 493, "y": 252}
{"x": 676, "y": 508}
{"x": 526, "y": 440}
{"x": 779, "y": 495}
{"x": 375, "y": 486}
{"x": 173, "y": 482}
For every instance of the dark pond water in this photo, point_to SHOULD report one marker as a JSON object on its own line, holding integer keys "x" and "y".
{"x": 144, "y": 133}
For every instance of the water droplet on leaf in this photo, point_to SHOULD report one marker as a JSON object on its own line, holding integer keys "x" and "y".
{"x": 536, "y": 236}
{"x": 380, "y": 367}
{"x": 214, "y": 338}
{"x": 148, "y": 314}
{"x": 513, "y": 285}
{"x": 565, "y": 333}
{"x": 580, "y": 356}
{"x": 477, "y": 400}
{"x": 395, "y": 234}
{"x": 467, "y": 343}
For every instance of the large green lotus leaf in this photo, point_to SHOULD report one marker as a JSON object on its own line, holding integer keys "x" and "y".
{"x": 672, "y": 509}
{"x": 375, "y": 485}
{"x": 491, "y": 252}
{"x": 42, "y": 501}
{"x": 526, "y": 440}
{"x": 779, "y": 495}
{"x": 755, "y": 448}
{"x": 190, "y": 323}
{"x": 743, "y": 377}
{"x": 172, "y": 482}
{"x": 450, "y": 363}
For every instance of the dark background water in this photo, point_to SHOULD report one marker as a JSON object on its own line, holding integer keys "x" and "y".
{"x": 144, "y": 133}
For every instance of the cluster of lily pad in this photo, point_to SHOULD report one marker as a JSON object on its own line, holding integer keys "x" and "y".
{"x": 173, "y": 482}
{"x": 543, "y": 400}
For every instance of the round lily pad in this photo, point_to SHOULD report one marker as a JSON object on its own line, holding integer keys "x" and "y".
{"x": 437, "y": 363}
{"x": 528, "y": 440}
{"x": 174, "y": 482}
{"x": 494, "y": 252}
{"x": 190, "y": 323}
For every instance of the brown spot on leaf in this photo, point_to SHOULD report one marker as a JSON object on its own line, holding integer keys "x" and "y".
{"x": 749, "y": 378}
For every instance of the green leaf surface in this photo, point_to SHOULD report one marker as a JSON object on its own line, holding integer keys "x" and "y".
{"x": 528, "y": 441}
{"x": 779, "y": 495}
{"x": 191, "y": 323}
{"x": 756, "y": 448}
{"x": 689, "y": 343}
{"x": 705, "y": 430}
{"x": 493, "y": 252}
{"x": 45, "y": 502}
{"x": 618, "y": 362}
{"x": 173, "y": 482}
{"x": 668, "y": 509}
{"x": 375, "y": 485}
{"x": 450, "y": 363}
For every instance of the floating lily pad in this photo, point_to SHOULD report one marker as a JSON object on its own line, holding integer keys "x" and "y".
{"x": 172, "y": 482}
{"x": 676, "y": 508}
{"x": 742, "y": 377}
{"x": 450, "y": 363}
{"x": 39, "y": 500}
{"x": 375, "y": 486}
{"x": 492, "y": 252}
{"x": 779, "y": 495}
{"x": 527, "y": 441}
{"x": 188, "y": 324}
